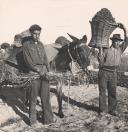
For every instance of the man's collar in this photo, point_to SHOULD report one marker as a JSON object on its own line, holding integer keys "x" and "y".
{"x": 36, "y": 42}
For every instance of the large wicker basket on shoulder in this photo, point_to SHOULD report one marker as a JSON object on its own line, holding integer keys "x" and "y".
{"x": 102, "y": 25}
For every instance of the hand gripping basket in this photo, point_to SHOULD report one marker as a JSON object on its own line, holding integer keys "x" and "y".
{"x": 102, "y": 25}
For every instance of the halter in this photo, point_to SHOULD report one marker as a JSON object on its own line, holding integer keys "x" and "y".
{"x": 73, "y": 60}
{"x": 71, "y": 55}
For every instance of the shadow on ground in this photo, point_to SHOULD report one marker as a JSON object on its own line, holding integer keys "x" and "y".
{"x": 15, "y": 98}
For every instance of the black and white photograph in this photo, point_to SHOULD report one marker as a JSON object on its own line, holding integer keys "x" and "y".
{"x": 63, "y": 66}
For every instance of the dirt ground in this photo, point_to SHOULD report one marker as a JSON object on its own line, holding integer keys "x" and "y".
{"x": 80, "y": 106}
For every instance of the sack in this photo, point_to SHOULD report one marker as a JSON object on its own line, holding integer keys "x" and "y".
{"x": 19, "y": 38}
{"x": 75, "y": 68}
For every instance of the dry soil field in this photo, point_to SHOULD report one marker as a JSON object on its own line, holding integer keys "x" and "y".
{"x": 80, "y": 106}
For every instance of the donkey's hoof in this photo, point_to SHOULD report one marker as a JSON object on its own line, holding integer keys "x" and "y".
{"x": 61, "y": 115}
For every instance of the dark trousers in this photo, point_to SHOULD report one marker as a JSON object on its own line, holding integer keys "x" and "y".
{"x": 107, "y": 82}
{"x": 40, "y": 87}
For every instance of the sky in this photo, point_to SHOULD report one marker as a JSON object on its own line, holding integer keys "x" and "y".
{"x": 56, "y": 17}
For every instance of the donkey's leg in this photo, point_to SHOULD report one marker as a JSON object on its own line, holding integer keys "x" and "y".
{"x": 27, "y": 95}
{"x": 59, "y": 97}
{"x": 86, "y": 77}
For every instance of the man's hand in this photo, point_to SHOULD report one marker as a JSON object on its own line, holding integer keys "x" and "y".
{"x": 120, "y": 25}
{"x": 42, "y": 73}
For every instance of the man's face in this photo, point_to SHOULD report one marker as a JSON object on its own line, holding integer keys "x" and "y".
{"x": 36, "y": 35}
{"x": 116, "y": 43}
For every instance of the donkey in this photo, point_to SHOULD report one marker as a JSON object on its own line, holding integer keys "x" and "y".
{"x": 75, "y": 51}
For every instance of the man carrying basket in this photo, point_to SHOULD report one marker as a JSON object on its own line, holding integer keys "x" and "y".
{"x": 109, "y": 59}
{"x": 102, "y": 26}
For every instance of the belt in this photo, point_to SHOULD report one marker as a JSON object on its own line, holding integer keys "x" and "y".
{"x": 109, "y": 68}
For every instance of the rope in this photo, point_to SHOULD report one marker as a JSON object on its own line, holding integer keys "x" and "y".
{"x": 69, "y": 83}
{"x": 70, "y": 54}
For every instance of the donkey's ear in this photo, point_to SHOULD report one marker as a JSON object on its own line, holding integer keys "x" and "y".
{"x": 73, "y": 38}
{"x": 84, "y": 39}
{"x": 58, "y": 48}
{"x": 56, "y": 45}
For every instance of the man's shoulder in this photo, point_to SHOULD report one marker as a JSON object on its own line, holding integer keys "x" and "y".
{"x": 28, "y": 42}
{"x": 40, "y": 42}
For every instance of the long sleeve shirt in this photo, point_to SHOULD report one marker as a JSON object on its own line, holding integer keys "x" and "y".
{"x": 35, "y": 55}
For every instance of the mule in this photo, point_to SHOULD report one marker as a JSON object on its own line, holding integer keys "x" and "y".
{"x": 76, "y": 52}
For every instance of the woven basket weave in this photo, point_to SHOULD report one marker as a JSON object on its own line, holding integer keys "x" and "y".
{"x": 102, "y": 25}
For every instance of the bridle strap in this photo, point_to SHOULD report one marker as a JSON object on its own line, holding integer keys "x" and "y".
{"x": 79, "y": 57}
{"x": 70, "y": 55}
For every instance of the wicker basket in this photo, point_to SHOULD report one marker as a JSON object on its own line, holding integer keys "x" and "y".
{"x": 102, "y": 25}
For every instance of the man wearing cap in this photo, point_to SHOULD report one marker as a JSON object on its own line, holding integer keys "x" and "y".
{"x": 109, "y": 60}
{"x": 5, "y": 50}
{"x": 36, "y": 59}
